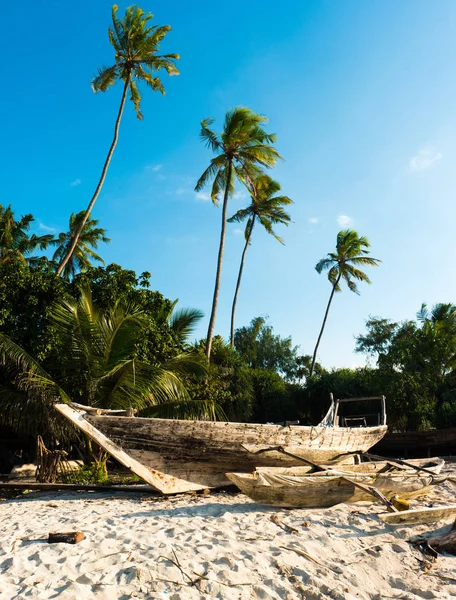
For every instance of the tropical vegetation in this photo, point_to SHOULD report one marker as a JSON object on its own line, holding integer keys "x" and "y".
{"x": 83, "y": 253}
{"x": 16, "y": 241}
{"x": 343, "y": 264}
{"x": 136, "y": 44}
{"x": 71, "y": 331}
{"x": 241, "y": 149}
{"x": 267, "y": 208}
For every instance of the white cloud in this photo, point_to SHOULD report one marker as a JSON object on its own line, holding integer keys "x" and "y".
{"x": 238, "y": 232}
{"x": 314, "y": 220}
{"x": 344, "y": 221}
{"x": 203, "y": 196}
{"x": 425, "y": 158}
{"x": 75, "y": 182}
{"x": 154, "y": 168}
{"x": 44, "y": 227}
{"x": 239, "y": 195}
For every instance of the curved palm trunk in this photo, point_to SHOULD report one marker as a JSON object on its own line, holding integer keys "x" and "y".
{"x": 75, "y": 237}
{"x": 210, "y": 331}
{"x": 314, "y": 357}
{"x": 238, "y": 284}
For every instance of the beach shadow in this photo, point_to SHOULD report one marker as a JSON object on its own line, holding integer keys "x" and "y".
{"x": 214, "y": 510}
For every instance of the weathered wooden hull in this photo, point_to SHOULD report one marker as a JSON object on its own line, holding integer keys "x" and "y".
{"x": 197, "y": 454}
{"x": 295, "y": 488}
{"x": 418, "y": 443}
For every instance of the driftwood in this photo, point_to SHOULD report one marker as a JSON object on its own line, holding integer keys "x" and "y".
{"x": 70, "y": 537}
{"x": 288, "y": 528}
{"x": 419, "y": 515}
{"x": 444, "y": 543}
{"x": 50, "y": 462}
{"x": 93, "y": 410}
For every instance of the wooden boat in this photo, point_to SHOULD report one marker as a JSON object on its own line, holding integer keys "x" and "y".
{"x": 175, "y": 456}
{"x": 299, "y": 487}
{"x": 418, "y": 443}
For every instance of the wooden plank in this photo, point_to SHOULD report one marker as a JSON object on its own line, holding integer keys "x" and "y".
{"x": 419, "y": 515}
{"x": 75, "y": 487}
{"x": 159, "y": 481}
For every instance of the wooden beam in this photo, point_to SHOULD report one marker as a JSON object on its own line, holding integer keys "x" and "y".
{"x": 419, "y": 515}
{"x": 76, "y": 487}
{"x": 167, "y": 484}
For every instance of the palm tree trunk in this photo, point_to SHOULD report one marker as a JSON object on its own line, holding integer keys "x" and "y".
{"x": 314, "y": 357}
{"x": 210, "y": 331}
{"x": 75, "y": 237}
{"x": 238, "y": 284}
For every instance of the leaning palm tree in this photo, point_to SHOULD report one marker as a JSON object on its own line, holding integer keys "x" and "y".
{"x": 16, "y": 243}
{"x": 136, "y": 44}
{"x": 267, "y": 208}
{"x": 83, "y": 253}
{"x": 241, "y": 149}
{"x": 351, "y": 252}
{"x": 97, "y": 362}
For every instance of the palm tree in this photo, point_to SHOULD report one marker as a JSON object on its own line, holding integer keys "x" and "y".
{"x": 136, "y": 44}
{"x": 268, "y": 209}
{"x": 90, "y": 236}
{"x": 241, "y": 148}
{"x": 351, "y": 252}
{"x": 98, "y": 366}
{"x": 15, "y": 241}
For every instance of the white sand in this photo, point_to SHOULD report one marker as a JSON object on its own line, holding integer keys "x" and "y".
{"x": 227, "y": 538}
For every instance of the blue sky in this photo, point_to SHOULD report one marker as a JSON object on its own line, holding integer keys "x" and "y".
{"x": 362, "y": 96}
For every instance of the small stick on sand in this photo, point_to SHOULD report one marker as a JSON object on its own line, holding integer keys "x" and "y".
{"x": 288, "y": 528}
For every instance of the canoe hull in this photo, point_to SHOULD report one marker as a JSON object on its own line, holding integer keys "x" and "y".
{"x": 192, "y": 455}
{"x": 202, "y": 452}
{"x": 289, "y": 488}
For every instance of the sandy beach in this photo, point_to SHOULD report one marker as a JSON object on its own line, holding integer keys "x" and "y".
{"x": 226, "y": 546}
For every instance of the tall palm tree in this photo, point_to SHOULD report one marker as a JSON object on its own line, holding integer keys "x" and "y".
{"x": 97, "y": 363}
{"x": 267, "y": 208}
{"x": 241, "y": 149}
{"x": 15, "y": 241}
{"x": 136, "y": 44}
{"x": 83, "y": 254}
{"x": 351, "y": 253}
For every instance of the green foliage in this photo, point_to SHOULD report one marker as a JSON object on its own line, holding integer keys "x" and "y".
{"x": 92, "y": 474}
{"x": 97, "y": 363}
{"x": 16, "y": 243}
{"x": 351, "y": 253}
{"x": 274, "y": 398}
{"x": 146, "y": 337}
{"x": 83, "y": 253}
{"x": 227, "y": 382}
{"x": 343, "y": 383}
{"x": 265, "y": 206}
{"x": 416, "y": 361}
{"x": 136, "y": 43}
{"x": 260, "y": 348}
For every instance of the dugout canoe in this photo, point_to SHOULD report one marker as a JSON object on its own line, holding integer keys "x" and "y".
{"x": 176, "y": 456}
{"x": 301, "y": 488}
